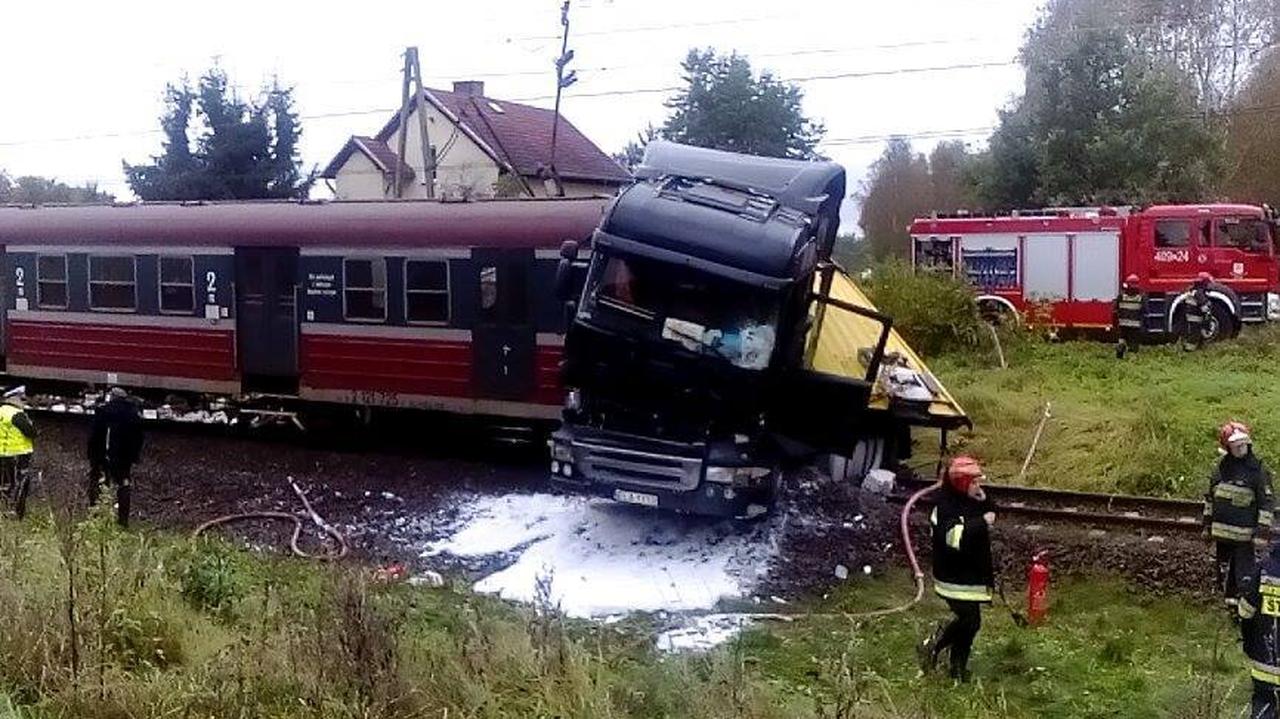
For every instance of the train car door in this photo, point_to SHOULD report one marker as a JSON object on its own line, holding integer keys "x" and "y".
{"x": 503, "y": 336}
{"x": 266, "y": 317}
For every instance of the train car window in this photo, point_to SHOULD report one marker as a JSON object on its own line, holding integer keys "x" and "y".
{"x": 426, "y": 288}
{"x": 504, "y": 293}
{"x": 364, "y": 283}
{"x": 112, "y": 283}
{"x": 177, "y": 286}
{"x": 488, "y": 289}
{"x": 1173, "y": 233}
{"x": 51, "y": 281}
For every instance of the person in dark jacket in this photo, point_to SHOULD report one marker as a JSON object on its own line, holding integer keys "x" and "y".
{"x": 1129, "y": 316}
{"x": 962, "y": 569}
{"x": 1195, "y": 313}
{"x": 115, "y": 441}
{"x": 1259, "y": 612}
{"x": 1237, "y": 507}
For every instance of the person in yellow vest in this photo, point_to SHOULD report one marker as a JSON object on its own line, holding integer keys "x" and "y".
{"x": 17, "y": 435}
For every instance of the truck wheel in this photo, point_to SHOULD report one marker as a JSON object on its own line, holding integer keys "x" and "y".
{"x": 867, "y": 454}
{"x": 1220, "y": 324}
{"x": 997, "y": 314}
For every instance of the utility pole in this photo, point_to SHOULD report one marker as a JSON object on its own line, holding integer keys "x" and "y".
{"x": 563, "y": 80}
{"x": 413, "y": 76}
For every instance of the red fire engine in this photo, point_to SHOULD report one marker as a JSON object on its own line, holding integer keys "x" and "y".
{"x": 1071, "y": 262}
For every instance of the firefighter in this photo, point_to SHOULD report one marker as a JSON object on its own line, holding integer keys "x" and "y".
{"x": 962, "y": 569}
{"x": 17, "y": 435}
{"x": 1196, "y": 313}
{"x": 114, "y": 444}
{"x": 1237, "y": 508}
{"x": 1129, "y": 316}
{"x": 1259, "y": 613}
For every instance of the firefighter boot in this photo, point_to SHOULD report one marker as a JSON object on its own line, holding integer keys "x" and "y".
{"x": 122, "y": 503}
{"x": 1122, "y": 347}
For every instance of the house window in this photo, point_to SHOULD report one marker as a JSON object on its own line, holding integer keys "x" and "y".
{"x": 364, "y": 283}
{"x": 426, "y": 291}
{"x": 177, "y": 286}
{"x": 112, "y": 285}
{"x": 51, "y": 281}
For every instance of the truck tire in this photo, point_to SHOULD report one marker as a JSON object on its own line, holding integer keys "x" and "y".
{"x": 1221, "y": 323}
{"x": 867, "y": 454}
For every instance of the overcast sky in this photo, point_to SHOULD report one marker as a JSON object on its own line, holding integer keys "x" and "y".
{"x": 81, "y": 82}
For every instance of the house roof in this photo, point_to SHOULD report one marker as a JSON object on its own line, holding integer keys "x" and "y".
{"x": 382, "y": 156}
{"x": 518, "y": 136}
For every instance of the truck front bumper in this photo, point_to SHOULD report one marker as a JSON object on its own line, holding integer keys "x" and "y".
{"x": 649, "y": 472}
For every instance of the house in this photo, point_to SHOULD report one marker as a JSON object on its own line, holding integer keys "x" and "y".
{"x": 483, "y": 147}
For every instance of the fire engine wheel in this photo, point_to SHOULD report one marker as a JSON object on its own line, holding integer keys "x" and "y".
{"x": 997, "y": 313}
{"x": 1220, "y": 325}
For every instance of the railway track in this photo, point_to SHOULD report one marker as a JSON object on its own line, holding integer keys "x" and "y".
{"x": 1085, "y": 508}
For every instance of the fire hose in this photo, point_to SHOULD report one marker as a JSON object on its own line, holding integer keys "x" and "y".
{"x": 297, "y": 526}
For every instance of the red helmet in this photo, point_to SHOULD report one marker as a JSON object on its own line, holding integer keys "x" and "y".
{"x": 962, "y": 472}
{"x": 1233, "y": 431}
{"x": 1131, "y": 280}
{"x": 1204, "y": 277}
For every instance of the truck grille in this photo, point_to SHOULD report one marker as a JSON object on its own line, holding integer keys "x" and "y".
{"x": 615, "y": 465}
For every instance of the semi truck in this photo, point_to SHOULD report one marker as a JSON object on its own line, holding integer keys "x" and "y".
{"x": 713, "y": 342}
{"x": 1064, "y": 266}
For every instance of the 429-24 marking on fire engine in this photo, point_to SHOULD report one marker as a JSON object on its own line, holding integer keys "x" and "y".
{"x": 1173, "y": 255}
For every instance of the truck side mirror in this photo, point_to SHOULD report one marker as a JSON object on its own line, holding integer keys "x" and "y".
{"x": 569, "y": 250}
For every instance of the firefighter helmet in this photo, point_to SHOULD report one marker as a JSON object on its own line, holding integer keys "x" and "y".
{"x": 962, "y": 472}
{"x": 1204, "y": 277}
{"x": 1132, "y": 279}
{"x": 1233, "y": 431}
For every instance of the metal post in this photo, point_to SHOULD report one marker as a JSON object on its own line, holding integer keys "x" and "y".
{"x": 562, "y": 81}
{"x": 428, "y": 157}
{"x": 404, "y": 121}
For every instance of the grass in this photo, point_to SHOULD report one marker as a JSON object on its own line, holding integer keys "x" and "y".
{"x": 161, "y": 626}
{"x": 1144, "y": 425}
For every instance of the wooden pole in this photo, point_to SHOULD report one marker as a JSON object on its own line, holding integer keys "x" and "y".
{"x": 428, "y": 157}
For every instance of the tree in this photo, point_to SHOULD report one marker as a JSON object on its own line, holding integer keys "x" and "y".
{"x": 1253, "y": 135}
{"x": 1102, "y": 120}
{"x": 31, "y": 190}
{"x": 633, "y": 153}
{"x": 726, "y": 106}
{"x": 244, "y": 150}
{"x": 903, "y": 185}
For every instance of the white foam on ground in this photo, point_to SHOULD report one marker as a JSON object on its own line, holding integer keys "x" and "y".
{"x": 606, "y": 559}
{"x": 702, "y": 633}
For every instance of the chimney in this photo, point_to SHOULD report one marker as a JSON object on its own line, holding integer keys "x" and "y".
{"x": 471, "y": 88}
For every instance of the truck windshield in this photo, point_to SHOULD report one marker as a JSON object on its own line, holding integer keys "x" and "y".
{"x": 1250, "y": 234}
{"x": 700, "y": 312}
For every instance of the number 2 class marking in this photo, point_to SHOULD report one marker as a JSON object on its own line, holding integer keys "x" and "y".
{"x": 211, "y": 280}
{"x": 20, "y": 275}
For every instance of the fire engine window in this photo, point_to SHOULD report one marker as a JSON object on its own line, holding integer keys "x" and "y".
{"x": 364, "y": 283}
{"x": 177, "y": 288}
{"x": 426, "y": 288}
{"x": 1245, "y": 233}
{"x": 111, "y": 283}
{"x": 1173, "y": 233}
{"x": 51, "y": 281}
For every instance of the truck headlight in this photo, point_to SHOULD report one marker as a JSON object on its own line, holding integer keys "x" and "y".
{"x": 1273, "y": 306}
{"x": 737, "y": 476}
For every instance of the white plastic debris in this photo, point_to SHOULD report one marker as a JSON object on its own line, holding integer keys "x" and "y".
{"x": 427, "y": 579}
{"x": 878, "y": 481}
{"x": 866, "y": 569}
{"x": 58, "y": 407}
{"x": 842, "y": 572}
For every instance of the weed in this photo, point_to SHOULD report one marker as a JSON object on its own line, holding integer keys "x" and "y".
{"x": 210, "y": 579}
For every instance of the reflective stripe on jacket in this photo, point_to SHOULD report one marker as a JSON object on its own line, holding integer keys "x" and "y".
{"x": 13, "y": 442}
{"x": 1129, "y": 310}
{"x": 1259, "y": 610}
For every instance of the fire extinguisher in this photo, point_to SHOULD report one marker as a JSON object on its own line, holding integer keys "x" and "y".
{"x": 1038, "y": 588}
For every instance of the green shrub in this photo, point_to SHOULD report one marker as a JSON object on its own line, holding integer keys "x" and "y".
{"x": 211, "y": 580}
{"x": 934, "y": 313}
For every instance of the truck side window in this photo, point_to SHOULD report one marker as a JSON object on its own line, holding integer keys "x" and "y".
{"x": 1243, "y": 233}
{"x": 1173, "y": 233}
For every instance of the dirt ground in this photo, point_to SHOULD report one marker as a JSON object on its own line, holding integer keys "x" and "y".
{"x": 189, "y": 476}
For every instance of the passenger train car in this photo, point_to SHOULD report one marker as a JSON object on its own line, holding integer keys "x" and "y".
{"x": 432, "y": 305}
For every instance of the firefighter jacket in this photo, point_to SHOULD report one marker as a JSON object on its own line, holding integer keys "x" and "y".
{"x": 1259, "y": 609}
{"x": 1239, "y": 499}
{"x": 1196, "y": 309}
{"x": 115, "y": 441}
{"x": 1129, "y": 310}
{"x": 961, "y": 547}
{"x": 16, "y": 431}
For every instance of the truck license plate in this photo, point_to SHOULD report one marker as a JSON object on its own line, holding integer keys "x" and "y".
{"x": 647, "y": 500}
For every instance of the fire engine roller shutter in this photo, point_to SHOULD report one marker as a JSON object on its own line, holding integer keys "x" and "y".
{"x": 1096, "y": 266}
{"x": 1046, "y": 267}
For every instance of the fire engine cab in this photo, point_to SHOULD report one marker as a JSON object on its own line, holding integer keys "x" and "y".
{"x": 1064, "y": 266}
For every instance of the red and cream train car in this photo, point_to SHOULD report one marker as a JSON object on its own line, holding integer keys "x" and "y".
{"x": 432, "y": 305}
